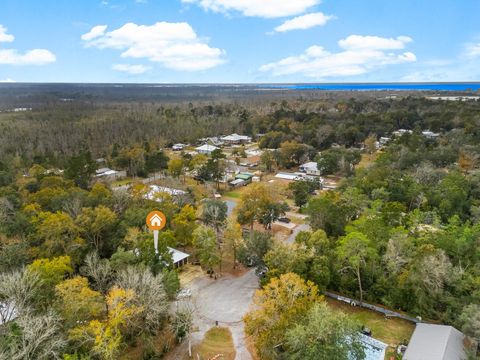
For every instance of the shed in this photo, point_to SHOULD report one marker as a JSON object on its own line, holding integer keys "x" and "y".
{"x": 179, "y": 258}
{"x": 436, "y": 342}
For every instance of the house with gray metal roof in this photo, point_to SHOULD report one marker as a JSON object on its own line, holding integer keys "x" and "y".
{"x": 436, "y": 342}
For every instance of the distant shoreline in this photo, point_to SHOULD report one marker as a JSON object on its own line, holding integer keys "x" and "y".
{"x": 348, "y": 86}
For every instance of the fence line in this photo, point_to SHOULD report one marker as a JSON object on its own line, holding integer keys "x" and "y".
{"x": 380, "y": 309}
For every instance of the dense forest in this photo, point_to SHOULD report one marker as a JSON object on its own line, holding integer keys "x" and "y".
{"x": 76, "y": 262}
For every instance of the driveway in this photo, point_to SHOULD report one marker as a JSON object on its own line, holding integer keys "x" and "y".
{"x": 293, "y": 235}
{"x": 225, "y": 300}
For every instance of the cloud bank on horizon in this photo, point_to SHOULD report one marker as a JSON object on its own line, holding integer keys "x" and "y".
{"x": 239, "y": 41}
{"x": 29, "y": 57}
{"x": 361, "y": 54}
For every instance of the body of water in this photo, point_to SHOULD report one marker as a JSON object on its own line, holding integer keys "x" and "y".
{"x": 379, "y": 86}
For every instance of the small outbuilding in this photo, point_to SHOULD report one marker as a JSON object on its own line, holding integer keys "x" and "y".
{"x": 179, "y": 257}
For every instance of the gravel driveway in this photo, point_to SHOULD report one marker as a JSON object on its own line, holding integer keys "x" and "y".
{"x": 225, "y": 300}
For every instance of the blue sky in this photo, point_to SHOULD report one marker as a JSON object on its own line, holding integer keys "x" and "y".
{"x": 232, "y": 41}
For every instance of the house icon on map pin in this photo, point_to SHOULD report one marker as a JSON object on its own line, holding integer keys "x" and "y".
{"x": 156, "y": 220}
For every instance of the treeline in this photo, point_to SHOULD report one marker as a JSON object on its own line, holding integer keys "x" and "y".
{"x": 403, "y": 232}
{"x": 52, "y": 132}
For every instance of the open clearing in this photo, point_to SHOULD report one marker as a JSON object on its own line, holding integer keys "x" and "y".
{"x": 217, "y": 342}
{"x": 391, "y": 331}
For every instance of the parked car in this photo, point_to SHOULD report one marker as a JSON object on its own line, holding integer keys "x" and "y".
{"x": 261, "y": 271}
{"x": 285, "y": 220}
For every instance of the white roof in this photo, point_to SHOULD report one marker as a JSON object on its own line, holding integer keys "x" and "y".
{"x": 435, "y": 342}
{"x": 312, "y": 165}
{"x": 177, "y": 255}
{"x": 237, "y": 181}
{"x": 236, "y": 137}
{"x": 105, "y": 172}
{"x": 155, "y": 189}
{"x": 206, "y": 147}
{"x": 374, "y": 349}
{"x": 179, "y": 145}
{"x": 287, "y": 176}
{"x": 430, "y": 133}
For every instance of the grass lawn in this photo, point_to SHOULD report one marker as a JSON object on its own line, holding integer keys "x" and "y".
{"x": 122, "y": 182}
{"x": 216, "y": 342}
{"x": 232, "y": 194}
{"x": 392, "y": 331}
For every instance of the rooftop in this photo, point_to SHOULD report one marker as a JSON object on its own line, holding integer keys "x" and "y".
{"x": 206, "y": 147}
{"x": 155, "y": 189}
{"x": 435, "y": 342}
{"x": 177, "y": 255}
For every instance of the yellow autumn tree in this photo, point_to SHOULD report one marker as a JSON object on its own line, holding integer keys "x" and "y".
{"x": 76, "y": 302}
{"x": 278, "y": 305}
{"x": 104, "y": 338}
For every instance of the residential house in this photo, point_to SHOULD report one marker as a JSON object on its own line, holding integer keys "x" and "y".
{"x": 245, "y": 176}
{"x": 310, "y": 168}
{"x": 401, "y": 132}
{"x": 237, "y": 183}
{"x": 156, "y": 191}
{"x": 109, "y": 174}
{"x": 236, "y": 139}
{"x": 206, "y": 149}
{"x": 430, "y": 135}
{"x": 178, "y": 147}
{"x": 436, "y": 342}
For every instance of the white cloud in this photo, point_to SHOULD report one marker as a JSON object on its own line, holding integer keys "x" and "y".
{"x": 304, "y": 22}
{"x": 360, "y": 55}
{"x": 31, "y": 57}
{"x": 174, "y": 45}
{"x": 472, "y": 50}
{"x": 258, "y": 8}
{"x": 359, "y": 42}
{"x": 131, "y": 69}
{"x": 7, "y": 80}
{"x": 95, "y": 32}
{"x": 4, "y": 37}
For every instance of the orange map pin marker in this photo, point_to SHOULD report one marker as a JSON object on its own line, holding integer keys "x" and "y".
{"x": 156, "y": 220}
